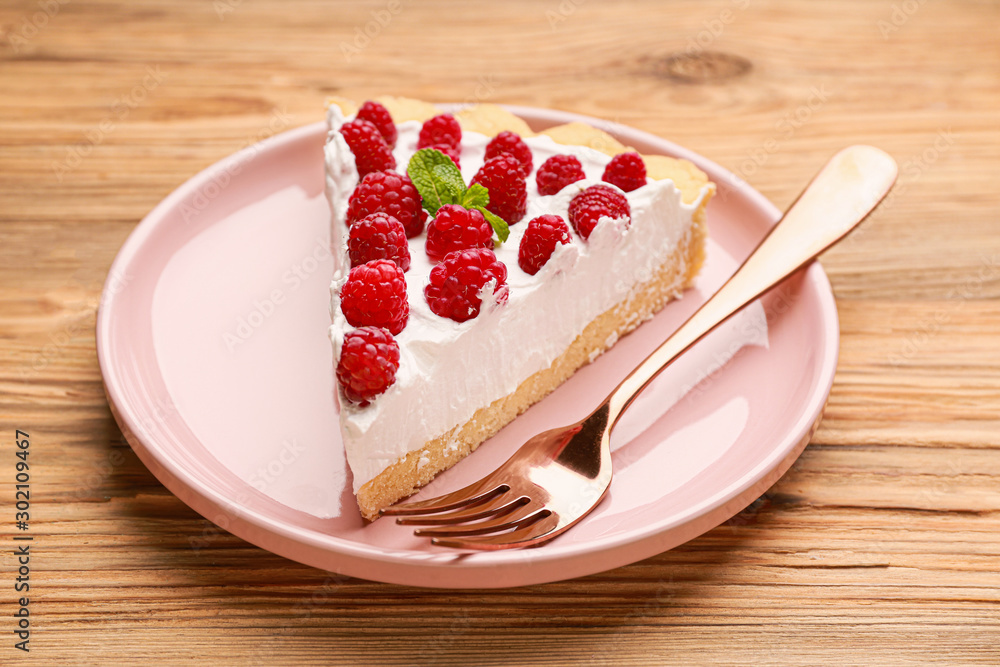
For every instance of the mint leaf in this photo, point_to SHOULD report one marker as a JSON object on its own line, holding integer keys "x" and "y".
{"x": 476, "y": 195}
{"x": 451, "y": 178}
{"x": 439, "y": 182}
{"x": 499, "y": 225}
{"x": 434, "y": 191}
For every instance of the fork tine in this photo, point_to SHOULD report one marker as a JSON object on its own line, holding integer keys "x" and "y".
{"x": 473, "y": 494}
{"x": 541, "y": 529}
{"x": 517, "y": 518}
{"x": 498, "y": 506}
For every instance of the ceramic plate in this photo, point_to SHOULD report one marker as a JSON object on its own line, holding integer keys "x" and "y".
{"x": 212, "y": 342}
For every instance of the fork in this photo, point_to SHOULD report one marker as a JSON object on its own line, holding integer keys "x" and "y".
{"x": 557, "y": 477}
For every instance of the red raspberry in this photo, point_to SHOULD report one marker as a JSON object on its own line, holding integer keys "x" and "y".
{"x": 391, "y": 193}
{"x": 378, "y": 236}
{"x": 594, "y": 203}
{"x": 371, "y": 153}
{"x": 509, "y": 143}
{"x": 627, "y": 171}
{"x": 540, "y": 239}
{"x": 375, "y": 294}
{"x": 451, "y": 151}
{"x": 501, "y": 175}
{"x": 442, "y": 129}
{"x": 369, "y": 359}
{"x": 379, "y": 116}
{"x": 455, "y": 283}
{"x": 557, "y": 172}
{"x": 455, "y": 228}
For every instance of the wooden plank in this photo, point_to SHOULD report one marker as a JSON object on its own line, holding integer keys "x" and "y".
{"x": 881, "y": 544}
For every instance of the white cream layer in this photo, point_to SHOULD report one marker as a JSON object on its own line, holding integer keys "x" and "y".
{"x": 449, "y": 370}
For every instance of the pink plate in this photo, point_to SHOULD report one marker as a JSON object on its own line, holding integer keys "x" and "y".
{"x": 212, "y": 341}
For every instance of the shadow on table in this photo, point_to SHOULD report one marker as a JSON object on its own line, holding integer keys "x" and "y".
{"x": 268, "y": 606}
{"x": 579, "y": 621}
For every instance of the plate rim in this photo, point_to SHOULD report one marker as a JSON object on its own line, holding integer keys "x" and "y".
{"x": 547, "y": 564}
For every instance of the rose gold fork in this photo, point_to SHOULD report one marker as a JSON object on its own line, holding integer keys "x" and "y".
{"x": 558, "y": 476}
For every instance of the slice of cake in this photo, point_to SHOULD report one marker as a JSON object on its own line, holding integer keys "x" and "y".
{"x": 444, "y": 327}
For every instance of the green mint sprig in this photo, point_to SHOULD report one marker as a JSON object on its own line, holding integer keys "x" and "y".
{"x": 439, "y": 182}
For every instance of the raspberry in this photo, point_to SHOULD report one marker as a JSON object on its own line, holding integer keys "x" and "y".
{"x": 451, "y": 151}
{"x": 391, "y": 193}
{"x": 369, "y": 359}
{"x": 501, "y": 175}
{"x": 540, "y": 239}
{"x": 378, "y": 236}
{"x": 508, "y": 143}
{"x": 626, "y": 170}
{"x": 379, "y": 116}
{"x": 375, "y": 294}
{"x": 455, "y": 228}
{"x": 557, "y": 172}
{"x": 455, "y": 283}
{"x": 442, "y": 129}
{"x": 371, "y": 153}
{"x": 594, "y": 203}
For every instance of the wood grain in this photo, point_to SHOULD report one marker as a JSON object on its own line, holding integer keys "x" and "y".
{"x": 881, "y": 545}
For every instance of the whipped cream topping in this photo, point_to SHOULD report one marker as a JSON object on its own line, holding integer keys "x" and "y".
{"x": 469, "y": 365}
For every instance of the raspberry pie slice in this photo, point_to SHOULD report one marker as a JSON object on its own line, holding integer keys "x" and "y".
{"x": 471, "y": 338}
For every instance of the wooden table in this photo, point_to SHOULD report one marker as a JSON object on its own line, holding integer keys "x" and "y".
{"x": 881, "y": 545}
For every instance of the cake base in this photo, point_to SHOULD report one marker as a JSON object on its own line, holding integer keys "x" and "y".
{"x": 420, "y": 466}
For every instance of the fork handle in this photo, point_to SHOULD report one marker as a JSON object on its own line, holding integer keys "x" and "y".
{"x": 842, "y": 195}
